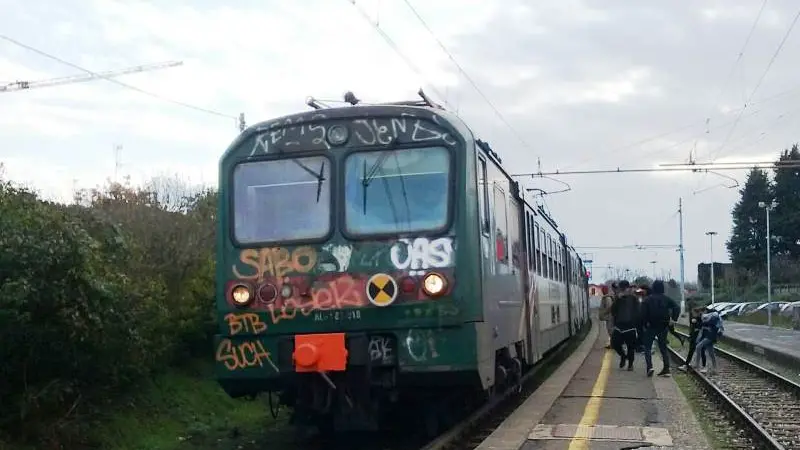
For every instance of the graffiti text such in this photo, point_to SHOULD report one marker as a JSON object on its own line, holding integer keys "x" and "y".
{"x": 244, "y": 355}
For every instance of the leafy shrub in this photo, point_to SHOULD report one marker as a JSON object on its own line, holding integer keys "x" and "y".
{"x": 94, "y": 297}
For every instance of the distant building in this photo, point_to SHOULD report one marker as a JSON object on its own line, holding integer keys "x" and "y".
{"x": 722, "y": 271}
{"x": 596, "y": 289}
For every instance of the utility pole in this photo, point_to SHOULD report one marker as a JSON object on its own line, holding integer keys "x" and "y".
{"x": 242, "y": 124}
{"x": 767, "y": 208}
{"x": 710, "y": 235}
{"x": 117, "y": 150}
{"x": 654, "y": 269}
{"x": 680, "y": 250}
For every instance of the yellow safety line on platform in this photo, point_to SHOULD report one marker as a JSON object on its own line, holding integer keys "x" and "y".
{"x": 592, "y": 410}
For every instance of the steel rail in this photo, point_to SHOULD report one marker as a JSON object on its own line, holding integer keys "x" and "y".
{"x": 759, "y": 432}
{"x": 744, "y": 362}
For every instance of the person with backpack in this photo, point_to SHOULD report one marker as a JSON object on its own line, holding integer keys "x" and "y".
{"x": 694, "y": 332}
{"x": 605, "y": 312}
{"x": 626, "y": 315}
{"x": 658, "y": 313}
{"x": 711, "y": 330}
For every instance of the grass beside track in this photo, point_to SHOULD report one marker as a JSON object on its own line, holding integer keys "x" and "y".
{"x": 700, "y": 406}
{"x": 180, "y": 410}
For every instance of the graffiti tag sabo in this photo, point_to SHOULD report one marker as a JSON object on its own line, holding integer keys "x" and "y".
{"x": 276, "y": 262}
{"x": 243, "y": 355}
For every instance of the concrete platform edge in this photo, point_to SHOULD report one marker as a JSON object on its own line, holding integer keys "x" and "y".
{"x": 514, "y": 431}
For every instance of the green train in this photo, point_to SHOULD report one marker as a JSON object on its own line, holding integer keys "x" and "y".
{"x": 374, "y": 260}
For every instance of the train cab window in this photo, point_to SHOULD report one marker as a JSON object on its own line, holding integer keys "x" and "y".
{"x": 299, "y": 188}
{"x": 397, "y": 191}
{"x": 483, "y": 187}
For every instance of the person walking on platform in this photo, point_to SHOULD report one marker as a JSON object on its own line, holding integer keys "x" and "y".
{"x": 641, "y": 293}
{"x": 711, "y": 330}
{"x": 694, "y": 333}
{"x": 658, "y": 313}
{"x": 625, "y": 312}
{"x": 605, "y": 312}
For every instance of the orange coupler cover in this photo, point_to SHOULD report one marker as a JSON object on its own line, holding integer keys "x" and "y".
{"x": 319, "y": 352}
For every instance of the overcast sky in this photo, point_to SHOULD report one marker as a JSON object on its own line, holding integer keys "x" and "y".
{"x": 584, "y": 84}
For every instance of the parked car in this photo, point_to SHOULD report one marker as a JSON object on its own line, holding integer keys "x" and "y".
{"x": 739, "y": 309}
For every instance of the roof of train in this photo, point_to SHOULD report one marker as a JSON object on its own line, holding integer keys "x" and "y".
{"x": 427, "y": 110}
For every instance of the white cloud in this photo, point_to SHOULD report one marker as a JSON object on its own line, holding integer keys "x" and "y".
{"x": 588, "y": 86}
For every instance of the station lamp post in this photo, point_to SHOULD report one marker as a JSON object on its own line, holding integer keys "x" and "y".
{"x": 768, "y": 207}
{"x": 710, "y": 235}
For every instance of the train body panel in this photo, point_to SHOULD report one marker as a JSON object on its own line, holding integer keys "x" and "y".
{"x": 391, "y": 237}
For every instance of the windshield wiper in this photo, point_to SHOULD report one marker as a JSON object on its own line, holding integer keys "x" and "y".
{"x": 320, "y": 178}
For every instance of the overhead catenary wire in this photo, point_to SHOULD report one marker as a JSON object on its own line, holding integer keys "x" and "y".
{"x": 687, "y": 168}
{"x": 466, "y": 75}
{"x": 758, "y": 84}
{"x": 117, "y": 82}
{"x": 397, "y": 50}
{"x": 739, "y": 56}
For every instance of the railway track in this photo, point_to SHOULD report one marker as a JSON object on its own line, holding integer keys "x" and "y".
{"x": 762, "y": 402}
{"x": 470, "y": 432}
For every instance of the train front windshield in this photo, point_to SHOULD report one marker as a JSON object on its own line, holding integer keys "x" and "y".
{"x": 282, "y": 200}
{"x": 396, "y": 191}
{"x": 385, "y": 191}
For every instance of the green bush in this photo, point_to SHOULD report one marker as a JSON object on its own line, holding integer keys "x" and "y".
{"x": 93, "y": 298}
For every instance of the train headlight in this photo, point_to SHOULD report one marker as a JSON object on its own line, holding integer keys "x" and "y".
{"x": 337, "y": 135}
{"x": 286, "y": 290}
{"x": 434, "y": 284}
{"x": 241, "y": 295}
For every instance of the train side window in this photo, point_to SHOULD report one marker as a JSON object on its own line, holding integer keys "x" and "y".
{"x": 538, "y": 248}
{"x": 532, "y": 239}
{"x": 514, "y": 235}
{"x": 561, "y": 265}
{"x": 529, "y": 246}
{"x": 500, "y": 221}
{"x": 483, "y": 185}
{"x": 543, "y": 253}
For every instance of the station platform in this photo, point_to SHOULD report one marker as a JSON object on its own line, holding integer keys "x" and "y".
{"x": 590, "y": 403}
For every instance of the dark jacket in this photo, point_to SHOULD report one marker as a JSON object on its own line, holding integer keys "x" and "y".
{"x": 657, "y": 309}
{"x": 626, "y": 312}
{"x": 695, "y": 324}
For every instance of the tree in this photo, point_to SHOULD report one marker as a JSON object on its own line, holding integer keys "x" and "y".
{"x": 747, "y": 247}
{"x": 785, "y": 219}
